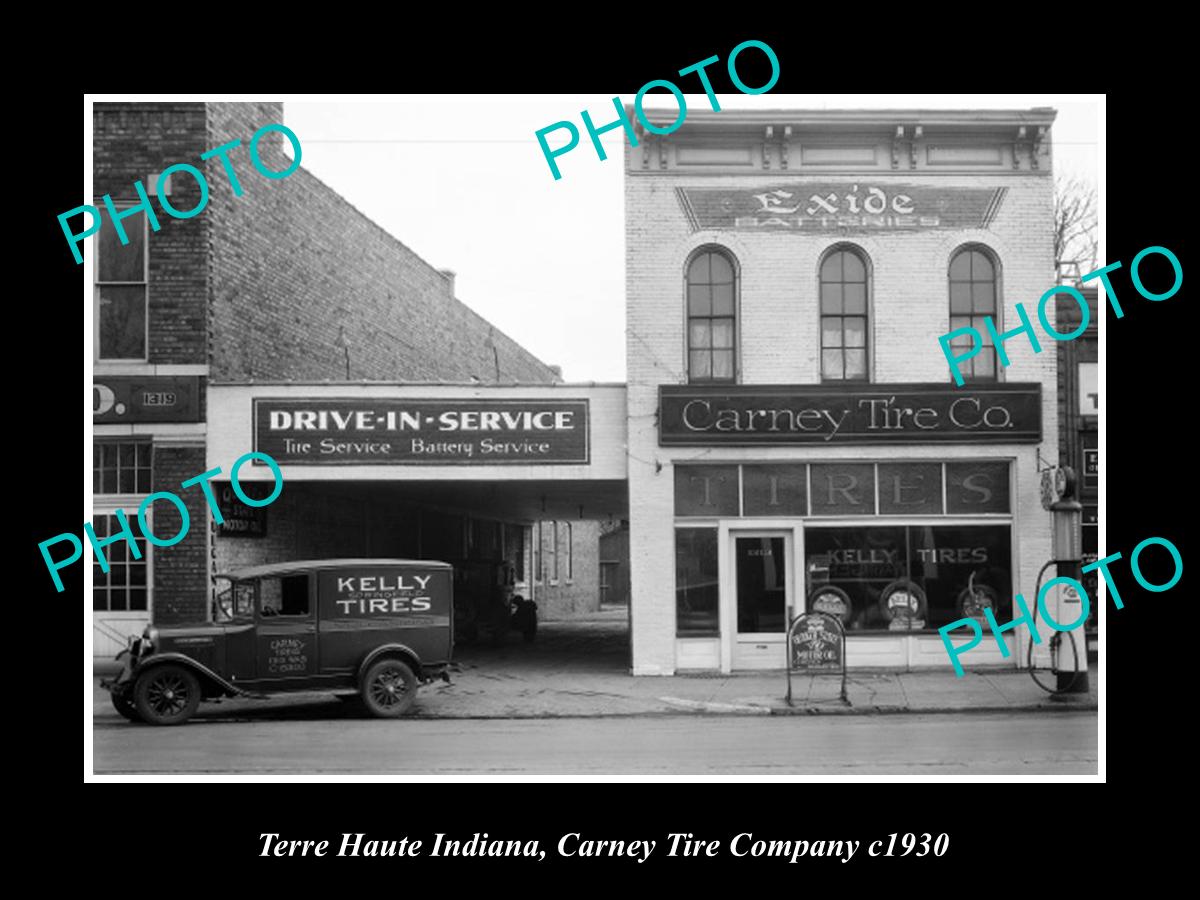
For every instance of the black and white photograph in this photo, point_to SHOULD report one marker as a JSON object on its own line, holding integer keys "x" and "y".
{"x": 711, "y": 432}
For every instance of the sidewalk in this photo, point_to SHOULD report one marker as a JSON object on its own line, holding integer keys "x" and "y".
{"x": 580, "y": 669}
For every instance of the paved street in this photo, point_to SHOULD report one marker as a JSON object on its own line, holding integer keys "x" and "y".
{"x": 683, "y": 745}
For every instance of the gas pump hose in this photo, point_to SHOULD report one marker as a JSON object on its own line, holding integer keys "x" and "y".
{"x": 1055, "y": 639}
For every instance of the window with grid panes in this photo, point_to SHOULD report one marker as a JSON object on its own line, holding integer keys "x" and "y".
{"x": 121, "y": 467}
{"x": 712, "y": 313}
{"x": 972, "y": 299}
{"x": 123, "y": 587}
{"x": 844, "y": 316}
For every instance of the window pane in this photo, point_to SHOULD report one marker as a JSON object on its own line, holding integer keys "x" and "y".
{"x": 123, "y": 263}
{"x": 831, "y": 331}
{"x": 856, "y": 363}
{"x": 856, "y": 332}
{"x": 116, "y": 570}
{"x": 698, "y": 334}
{"x": 122, "y": 322}
{"x": 981, "y": 267}
{"x": 853, "y": 268}
{"x": 701, "y": 364}
{"x": 976, "y": 322}
{"x": 960, "y": 267}
{"x": 117, "y": 601}
{"x": 722, "y": 364}
{"x": 698, "y": 270}
{"x": 100, "y": 525}
{"x": 143, "y": 481}
{"x": 137, "y": 598}
{"x": 855, "y": 298}
{"x": 831, "y": 299}
{"x": 862, "y": 562}
{"x": 722, "y": 333}
{"x": 696, "y": 582}
{"x": 831, "y": 269}
{"x": 960, "y": 297}
{"x": 984, "y": 296}
{"x": 985, "y": 364}
{"x": 722, "y": 271}
{"x": 962, "y": 570}
{"x": 699, "y": 300}
{"x": 722, "y": 301}
{"x": 99, "y": 598}
{"x": 962, "y": 339}
{"x": 137, "y": 573}
{"x": 143, "y": 455}
{"x": 831, "y": 364}
{"x": 126, "y": 454}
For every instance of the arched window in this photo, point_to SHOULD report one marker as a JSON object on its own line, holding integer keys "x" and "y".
{"x": 844, "y": 316}
{"x": 972, "y": 298}
{"x": 712, "y": 313}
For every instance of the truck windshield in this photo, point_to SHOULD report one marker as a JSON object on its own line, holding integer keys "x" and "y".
{"x": 233, "y": 600}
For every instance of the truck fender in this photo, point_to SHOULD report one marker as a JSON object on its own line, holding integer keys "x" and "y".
{"x": 405, "y": 653}
{"x": 205, "y": 673}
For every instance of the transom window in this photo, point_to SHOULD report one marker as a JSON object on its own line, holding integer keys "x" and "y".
{"x": 972, "y": 299}
{"x": 121, "y": 467}
{"x": 712, "y": 313}
{"x": 844, "y": 316}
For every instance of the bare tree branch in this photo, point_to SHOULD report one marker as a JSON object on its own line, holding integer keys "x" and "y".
{"x": 1076, "y": 227}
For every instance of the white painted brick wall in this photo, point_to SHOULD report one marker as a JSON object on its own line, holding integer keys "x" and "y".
{"x": 780, "y": 343}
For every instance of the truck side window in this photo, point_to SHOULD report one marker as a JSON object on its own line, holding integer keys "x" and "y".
{"x": 286, "y": 596}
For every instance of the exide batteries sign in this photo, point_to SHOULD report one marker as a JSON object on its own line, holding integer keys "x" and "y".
{"x": 415, "y": 432}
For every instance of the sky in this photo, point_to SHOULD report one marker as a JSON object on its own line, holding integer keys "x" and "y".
{"x": 462, "y": 181}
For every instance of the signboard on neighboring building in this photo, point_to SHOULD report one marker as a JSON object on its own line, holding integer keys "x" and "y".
{"x": 1091, "y": 468}
{"x": 1089, "y": 389}
{"x": 808, "y": 208}
{"x": 242, "y": 520}
{"x": 703, "y": 415}
{"x": 150, "y": 398}
{"x": 329, "y": 431}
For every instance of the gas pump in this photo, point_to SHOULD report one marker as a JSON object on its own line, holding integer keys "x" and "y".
{"x": 1069, "y": 668}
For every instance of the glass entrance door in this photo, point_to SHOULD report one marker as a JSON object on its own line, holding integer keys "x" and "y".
{"x": 762, "y": 598}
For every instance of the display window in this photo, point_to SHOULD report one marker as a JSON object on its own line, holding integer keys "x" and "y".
{"x": 909, "y": 577}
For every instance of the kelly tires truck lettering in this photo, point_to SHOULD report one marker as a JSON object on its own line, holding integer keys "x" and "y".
{"x": 371, "y": 629}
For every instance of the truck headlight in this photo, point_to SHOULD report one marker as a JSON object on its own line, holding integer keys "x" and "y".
{"x": 149, "y": 640}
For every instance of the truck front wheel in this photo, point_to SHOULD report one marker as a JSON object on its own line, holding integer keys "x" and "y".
{"x": 389, "y": 688}
{"x": 166, "y": 695}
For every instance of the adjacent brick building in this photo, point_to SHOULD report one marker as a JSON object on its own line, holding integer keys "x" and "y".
{"x": 285, "y": 284}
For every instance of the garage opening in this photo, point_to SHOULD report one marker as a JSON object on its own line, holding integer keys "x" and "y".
{"x": 538, "y": 566}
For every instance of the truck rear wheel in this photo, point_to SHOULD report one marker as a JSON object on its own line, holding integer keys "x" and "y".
{"x": 166, "y": 695}
{"x": 389, "y": 688}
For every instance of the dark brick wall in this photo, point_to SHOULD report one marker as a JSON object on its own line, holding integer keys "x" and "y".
{"x": 181, "y": 570}
{"x": 305, "y": 287}
{"x": 136, "y": 141}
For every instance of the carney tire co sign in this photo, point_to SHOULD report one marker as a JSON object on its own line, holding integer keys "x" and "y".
{"x": 422, "y": 432}
{"x": 153, "y": 398}
{"x": 701, "y": 416}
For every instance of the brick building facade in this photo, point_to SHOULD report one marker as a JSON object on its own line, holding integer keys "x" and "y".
{"x": 795, "y": 439}
{"x": 286, "y": 283}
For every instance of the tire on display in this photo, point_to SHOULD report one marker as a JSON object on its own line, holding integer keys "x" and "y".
{"x": 123, "y": 703}
{"x": 389, "y": 688}
{"x": 166, "y": 695}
